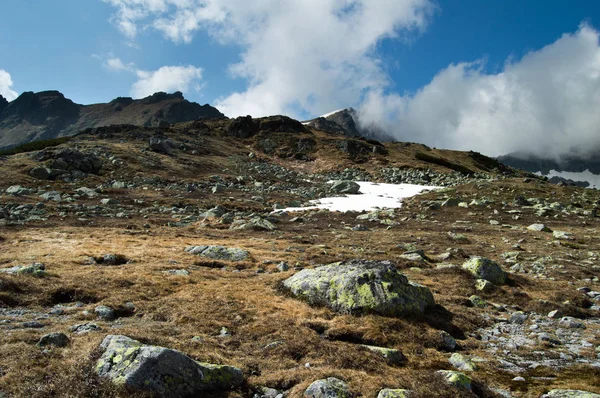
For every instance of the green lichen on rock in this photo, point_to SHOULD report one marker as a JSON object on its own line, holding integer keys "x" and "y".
{"x": 219, "y": 252}
{"x": 162, "y": 371}
{"x": 484, "y": 268}
{"x": 461, "y": 362}
{"x": 328, "y": 388}
{"x": 456, "y": 379}
{"x": 393, "y": 393}
{"x": 391, "y": 355}
{"x": 358, "y": 286}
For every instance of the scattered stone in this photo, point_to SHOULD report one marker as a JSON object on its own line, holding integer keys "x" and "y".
{"x": 160, "y": 146}
{"x": 562, "y": 235}
{"x": 359, "y": 286}
{"x": 456, "y": 379}
{"x": 391, "y": 355}
{"x": 161, "y": 371}
{"x": 219, "y": 252}
{"x": 328, "y": 388}
{"x": 518, "y": 317}
{"x": 461, "y": 362}
{"x": 283, "y": 267}
{"x": 483, "y": 285}
{"x": 571, "y": 323}
{"x": 40, "y": 173}
{"x": 109, "y": 202}
{"x": 177, "y": 272}
{"x": 477, "y": 301}
{"x": 105, "y": 313}
{"x": 218, "y": 188}
{"x": 556, "y": 314}
{"x": 17, "y": 190}
{"x": 539, "y": 228}
{"x": 84, "y": 328}
{"x": 393, "y": 393}
{"x": 487, "y": 269}
{"x": 51, "y": 195}
{"x": 36, "y": 269}
{"x": 349, "y": 187}
{"x": 448, "y": 342}
{"x": 54, "y": 339}
{"x": 33, "y": 325}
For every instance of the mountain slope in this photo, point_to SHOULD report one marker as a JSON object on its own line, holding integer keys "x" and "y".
{"x": 48, "y": 114}
{"x": 346, "y": 122}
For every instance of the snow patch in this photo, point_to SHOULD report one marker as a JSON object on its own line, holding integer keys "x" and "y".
{"x": 372, "y": 196}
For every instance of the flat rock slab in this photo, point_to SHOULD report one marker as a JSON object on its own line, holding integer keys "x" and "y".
{"x": 219, "y": 252}
{"x": 162, "y": 371}
{"x": 358, "y": 286}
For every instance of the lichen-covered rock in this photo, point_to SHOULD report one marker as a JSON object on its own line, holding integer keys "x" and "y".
{"x": 219, "y": 252}
{"x": 162, "y": 371}
{"x": 461, "y": 362}
{"x": 36, "y": 269}
{"x": 328, "y": 388}
{"x": 393, "y": 393}
{"x": 456, "y": 379}
{"x": 484, "y": 268}
{"x": 539, "y": 228}
{"x": 448, "y": 342}
{"x": 570, "y": 394}
{"x": 391, "y": 355}
{"x": 344, "y": 186}
{"x": 359, "y": 286}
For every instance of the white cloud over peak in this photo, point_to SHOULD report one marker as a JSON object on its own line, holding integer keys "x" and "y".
{"x": 547, "y": 103}
{"x": 166, "y": 78}
{"x": 299, "y": 56}
{"x": 5, "y": 86}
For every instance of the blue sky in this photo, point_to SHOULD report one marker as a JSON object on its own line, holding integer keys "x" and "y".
{"x": 308, "y": 57}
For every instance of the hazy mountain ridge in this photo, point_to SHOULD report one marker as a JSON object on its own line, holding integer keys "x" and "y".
{"x": 347, "y": 122}
{"x": 49, "y": 114}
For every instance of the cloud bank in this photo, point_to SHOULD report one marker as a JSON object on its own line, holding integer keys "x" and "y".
{"x": 5, "y": 86}
{"x": 299, "y": 56}
{"x": 547, "y": 103}
{"x": 166, "y": 78}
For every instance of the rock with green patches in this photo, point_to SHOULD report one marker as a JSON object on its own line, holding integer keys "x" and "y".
{"x": 255, "y": 224}
{"x": 358, "y": 287}
{"x": 570, "y": 394}
{"x": 219, "y": 252}
{"x": 393, "y": 393}
{"x": 562, "y": 235}
{"x": 484, "y": 268}
{"x": 391, "y": 355}
{"x": 162, "y": 371}
{"x": 461, "y": 362}
{"x": 477, "y": 301}
{"x": 328, "y": 388}
{"x": 456, "y": 379}
{"x": 35, "y": 269}
{"x": 484, "y": 286}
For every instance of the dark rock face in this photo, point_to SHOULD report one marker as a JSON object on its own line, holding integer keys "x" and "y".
{"x": 355, "y": 149}
{"x": 65, "y": 164}
{"x": 48, "y": 115}
{"x": 346, "y": 120}
{"x": 242, "y": 127}
{"x": 535, "y": 164}
{"x": 281, "y": 124}
{"x": 3, "y": 104}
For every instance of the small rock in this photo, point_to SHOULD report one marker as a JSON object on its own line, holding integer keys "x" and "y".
{"x": 539, "y": 228}
{"x": 393, "y": 393}
{"x": 518, "y": 318}
{"x": 328, "y": 388}
{"x": 84, "y": 328}
{"x": 391, "y": 355}
{"x": 448, "y": 342}
{"x": 556, "y": 314}
{"x": 456, "y": 379}
{"x": 54, "y": 339}
{"x": 461, "y": 362}
{"x": 105, "y": 313}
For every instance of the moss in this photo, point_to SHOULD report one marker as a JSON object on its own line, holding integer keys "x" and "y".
{"x": 457, "y": 379}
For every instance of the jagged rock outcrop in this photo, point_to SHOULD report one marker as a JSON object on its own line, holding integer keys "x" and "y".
{"x": 48, "y": 115}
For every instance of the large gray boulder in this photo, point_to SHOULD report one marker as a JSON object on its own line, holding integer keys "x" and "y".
{"x": 484, "y": 268}
{"x": 359, "y": 286}
{"x": 328, "y": 388}
{"x": 345, "y": 187}
{"x": 161, "y": 371}
{"x": 219, "y": 252}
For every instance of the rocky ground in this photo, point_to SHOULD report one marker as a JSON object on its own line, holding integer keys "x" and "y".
{"x": 138, "y": 261}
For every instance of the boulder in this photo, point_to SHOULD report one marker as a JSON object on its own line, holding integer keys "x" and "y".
{"x": 393, "y": 393}
{"x": 162, "y": 371}
{"x": 456, "y": 379}
{"x": 36, "y": 269}
{"x": 17, "y": 190}
{"x": 391, "y": 355}
{"x": 461, "y": 362}
{"x": 484, "y": 268}
{"x": 159, "y": 146}
{"x": 358, "y": 286}
{"x": 242, "y": 127}
{"x": 328, "y": 388}
{"x": 54, "y": 339}
{"x": 539, "y": 228}
{"x": 344, "y": 186}
{"x": 219, "y": 252}
{"x": 40, "y": 173}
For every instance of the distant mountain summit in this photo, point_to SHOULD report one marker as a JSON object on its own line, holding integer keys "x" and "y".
{"x": 346, "y": 122}
{"x": 48, "y": 114}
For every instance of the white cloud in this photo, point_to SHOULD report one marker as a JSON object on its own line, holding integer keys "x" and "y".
{"x": 168, "y": 79}
{"x": 117, "y": 65}
{"x": 5, "y": 86}
{"x": 300, "y": 56}
{"x": 547, "y": 103}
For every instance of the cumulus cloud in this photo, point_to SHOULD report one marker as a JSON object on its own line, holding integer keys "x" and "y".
{"x": 299, "y": 56}
{"x": 166, "y": 78}
{"x": 546, "y": 103}
{"x": 5, "y": 86}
